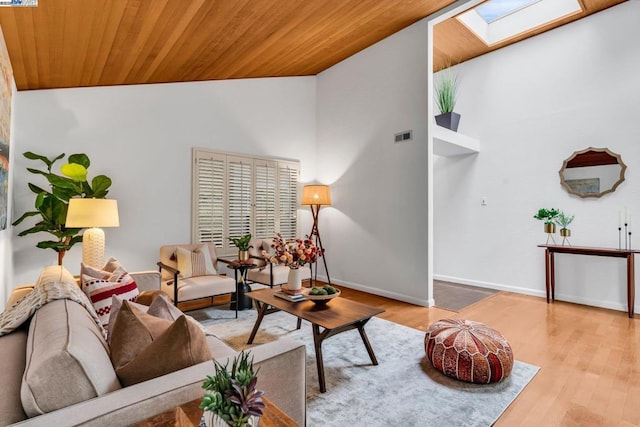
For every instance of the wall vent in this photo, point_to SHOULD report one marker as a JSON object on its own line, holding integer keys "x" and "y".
{"x": 405, "y": 136}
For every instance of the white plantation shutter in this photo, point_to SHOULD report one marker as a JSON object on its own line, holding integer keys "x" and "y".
{"x": 210, "y": 192}
{"x": 239, "y": 201}
{"x": 236, "y": 195}
{"x": 265, "y": 199}
{"x": 288, "y": 199}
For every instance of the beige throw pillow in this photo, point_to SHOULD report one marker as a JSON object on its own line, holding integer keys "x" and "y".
{"x": 195, "y": 263}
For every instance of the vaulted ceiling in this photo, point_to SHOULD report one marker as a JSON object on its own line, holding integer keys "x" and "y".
{"x": 75, "y": 43}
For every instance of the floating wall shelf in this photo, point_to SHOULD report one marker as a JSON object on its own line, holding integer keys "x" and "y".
{"x": 449, "y": 143}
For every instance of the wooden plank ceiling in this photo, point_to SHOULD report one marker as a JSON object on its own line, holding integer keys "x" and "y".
{"x": 76, "y": 43}
{"x": 453, "y": 42}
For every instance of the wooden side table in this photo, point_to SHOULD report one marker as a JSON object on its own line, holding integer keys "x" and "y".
{"x": 190, "y": 414}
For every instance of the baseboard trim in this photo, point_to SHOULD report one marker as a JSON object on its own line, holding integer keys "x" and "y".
{"x": 612, "y": 305}
{"x": 380, "y": 292}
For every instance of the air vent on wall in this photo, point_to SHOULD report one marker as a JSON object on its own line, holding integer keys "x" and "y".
{"x": 405, "y": 136}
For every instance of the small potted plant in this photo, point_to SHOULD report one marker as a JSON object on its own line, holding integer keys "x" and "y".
{"x": 242, "y": 243}
{"x": 231, "y": 398}
{"x": 445, "y": 92}
{"x": 548, "y": 216}
{"x": 563, "y": 220}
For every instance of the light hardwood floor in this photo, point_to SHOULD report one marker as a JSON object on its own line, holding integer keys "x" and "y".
{"x": 589, "y": 357}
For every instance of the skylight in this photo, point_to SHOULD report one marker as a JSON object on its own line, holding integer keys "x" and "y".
{"x": 495, "y": 9}
{"x": 497, "y": 20}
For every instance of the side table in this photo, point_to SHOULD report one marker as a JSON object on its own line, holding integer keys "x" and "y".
{"x": 241, "y": 301}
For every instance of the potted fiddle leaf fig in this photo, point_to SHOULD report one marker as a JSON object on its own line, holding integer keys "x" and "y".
{"x": 52, "y": 201}
{"x": 447, "y": 83}
{"x": 243, "y": 245}
{"x": 231, "y": 397}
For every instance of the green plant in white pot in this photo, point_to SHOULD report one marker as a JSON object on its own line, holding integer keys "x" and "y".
{"x": 231, "y": 397}
{"x": 446, "y": 85}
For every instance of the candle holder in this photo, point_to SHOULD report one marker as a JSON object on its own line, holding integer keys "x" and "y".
{"x": 626, "y": 240}
{"x": 629, "y": 248}
{"x": 619, "y": 237}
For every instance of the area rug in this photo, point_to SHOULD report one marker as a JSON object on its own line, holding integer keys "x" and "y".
{"x": 402, "y": 390}
{"x": 455, "y": 297}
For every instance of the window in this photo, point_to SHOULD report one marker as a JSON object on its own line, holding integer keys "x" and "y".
{"x": 497, "y": 20}
{"x": 235, "y": 195}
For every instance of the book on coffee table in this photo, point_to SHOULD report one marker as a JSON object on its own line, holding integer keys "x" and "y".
{"x": 289, "y": 297}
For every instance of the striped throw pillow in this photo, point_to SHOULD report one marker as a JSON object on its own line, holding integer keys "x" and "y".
{"x": 101, "y": 290}
{"x": 195, "y": 263}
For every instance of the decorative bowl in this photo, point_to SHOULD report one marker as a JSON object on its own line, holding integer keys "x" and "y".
{"x": 319, "y": 299}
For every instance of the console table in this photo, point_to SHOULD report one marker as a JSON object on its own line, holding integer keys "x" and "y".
{"x": 549, "y": 263}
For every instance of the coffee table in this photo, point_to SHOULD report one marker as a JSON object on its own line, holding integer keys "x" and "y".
{"x": 190, "y": 415}
{"x": 339, "y": 315}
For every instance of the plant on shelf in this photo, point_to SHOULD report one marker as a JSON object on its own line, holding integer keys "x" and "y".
{"x": 231, "y": 395}
{"x": 292, "y": 253}
{"x": 51, "y": 206}
{"x": 563, "y": 220}
{"x": 446, "y": 88}
{"x": 243, "y": 245}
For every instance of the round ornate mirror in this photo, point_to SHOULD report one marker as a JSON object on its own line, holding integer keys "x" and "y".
{"x": 592, "y": 172}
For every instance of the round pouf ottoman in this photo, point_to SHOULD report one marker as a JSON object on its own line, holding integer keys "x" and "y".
{"x": 468, "y": 351}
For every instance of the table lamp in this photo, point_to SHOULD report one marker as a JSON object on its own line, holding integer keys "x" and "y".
{"x": 316, "y": 196}
{"x": 92, "y": 214}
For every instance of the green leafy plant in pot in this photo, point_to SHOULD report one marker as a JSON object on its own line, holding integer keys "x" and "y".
{"x": 548, "y": 216}
{"x": 563, "y": 220}
{"x": 231, "y": 397}
{"x": 243, "y": 245}
{"x": 447, "y": 83}
{"x": 51, "y": 205}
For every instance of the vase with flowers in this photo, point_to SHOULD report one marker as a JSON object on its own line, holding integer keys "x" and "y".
{"x": 294, "y": 254}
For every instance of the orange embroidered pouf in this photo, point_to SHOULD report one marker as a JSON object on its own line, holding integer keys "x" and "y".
{"x": 468, "y": 351}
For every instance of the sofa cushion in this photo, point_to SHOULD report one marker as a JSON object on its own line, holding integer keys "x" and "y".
{"x": 146, "y": 347}
{"x": 67, "y": 359}
{"x": 194, "y": 263}
{"x": 116, "y": 304}
{"x": 100, "y": 290}
{"x": 55, "y": 273}
{"x": 12, "y": 355}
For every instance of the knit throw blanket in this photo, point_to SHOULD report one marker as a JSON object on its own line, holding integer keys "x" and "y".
{"x": 26, "y": 307}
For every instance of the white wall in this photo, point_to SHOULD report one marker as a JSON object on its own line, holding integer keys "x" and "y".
{"x": 375, "y": 234}
{"x": 141, "y": 137}
{"x": 532, "y": 105}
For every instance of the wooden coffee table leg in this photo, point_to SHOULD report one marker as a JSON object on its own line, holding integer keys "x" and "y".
{"x": 262, "y": 310}
{"x": 366, "y": 342}
{"x": 317, "y": 342}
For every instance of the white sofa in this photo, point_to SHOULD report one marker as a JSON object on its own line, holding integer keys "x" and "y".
{"x": 59, "y": 365}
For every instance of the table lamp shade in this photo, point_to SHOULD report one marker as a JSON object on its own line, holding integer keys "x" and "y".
{"x": 83, "y": 213}
{"x": 91, "y": 214}
{"x": 316, "y": 195}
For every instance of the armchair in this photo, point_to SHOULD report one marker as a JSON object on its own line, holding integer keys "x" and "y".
{"x": 267, "y": 273}
{"x": 199, "y": 277}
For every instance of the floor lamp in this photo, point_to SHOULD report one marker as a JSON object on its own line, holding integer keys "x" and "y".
{"x": 91, "y": 214}
{"x": 316, "y": 196}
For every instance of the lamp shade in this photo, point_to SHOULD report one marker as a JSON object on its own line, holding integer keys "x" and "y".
{"x": 84, "y": 213}
{"x": 316, "y": 195}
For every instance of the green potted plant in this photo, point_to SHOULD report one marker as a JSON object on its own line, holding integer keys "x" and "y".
{"x": 242, "y": 243}
{"x": 548, "y": 216}
{"x": 231, "y": 398}
{"x": 51, "y": 205}
{"x": 446, "y": 85}
{"x": 563, "y": 220}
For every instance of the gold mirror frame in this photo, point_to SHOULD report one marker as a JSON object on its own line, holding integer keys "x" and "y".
{"x": 604, "y": 151}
